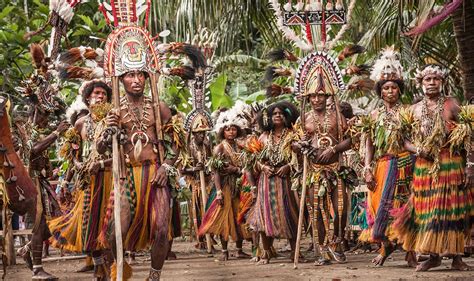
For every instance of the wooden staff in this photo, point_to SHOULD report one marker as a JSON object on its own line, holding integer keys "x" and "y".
{"x": 204, "y": 201}
{"x": 303, "y": 189}
{"x": 118, "y": 180}
{"x": 155, "y": 97}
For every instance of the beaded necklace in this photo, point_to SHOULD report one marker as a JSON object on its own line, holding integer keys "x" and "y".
{"x": 275, "y": 154}
{"x": 324, "y": 140}
{"x": 428, "y": 119}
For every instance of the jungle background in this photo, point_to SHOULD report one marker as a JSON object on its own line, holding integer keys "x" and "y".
{"x": 246, "y": 31}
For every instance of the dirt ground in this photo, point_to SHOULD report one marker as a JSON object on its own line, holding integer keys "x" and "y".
{"x": 194, "y": 265}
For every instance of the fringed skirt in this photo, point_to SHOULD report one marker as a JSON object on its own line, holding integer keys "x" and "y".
{"x": 222, "y": 219}
{"x": 78, "y": 231}
{"x": 150, "y": 208}
{"x": 392, "y": 178}
{"x": 276, "y": 208}
{"x": 436, "y": 218}
{"x": 145, "y": 209}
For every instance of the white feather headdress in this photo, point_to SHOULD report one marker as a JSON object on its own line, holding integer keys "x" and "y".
{"x": 387, "y": 66}
{"x": 232, "y": 117}
{"x": 77, "y": 106}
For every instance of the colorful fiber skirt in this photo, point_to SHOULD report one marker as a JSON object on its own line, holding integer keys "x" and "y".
{"x": 150, "y": 208}
{"x": 222, "y": 219}
{"x": 435, "y": 220}
{"x": 392, "y": 180}
{"x": 276, "y": 208}
{"x": 78, "y": 230}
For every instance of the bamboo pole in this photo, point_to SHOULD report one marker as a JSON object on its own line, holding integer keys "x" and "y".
{"x": 204, "y": 201}
{"x": 303, "y": 190}
{"x": 116, "y": 172}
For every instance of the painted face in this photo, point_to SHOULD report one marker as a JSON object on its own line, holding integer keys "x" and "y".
{"x": 230, "y": 133}
{"x": 199, "y": 137}
{"x": 98, "y": 96}
{"x": 318, "y": 101}
{"x": 134, "y": 82}
{"x": 390, "y": 92}
{"x": 432, "y": 84}
{"x": 278, "y": 118}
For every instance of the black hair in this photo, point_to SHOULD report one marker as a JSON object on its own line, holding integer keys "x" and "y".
{"x": 240, "y": 132}
{"x": 379, "y": 85}
{"x": 89, "y": 88}
{"x": 346, "y": 110}
{"x": 289, "y": 110}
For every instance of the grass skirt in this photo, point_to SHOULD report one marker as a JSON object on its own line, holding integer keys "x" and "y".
{"x": 276, "y": 209}
{"x": 436, "y": 219}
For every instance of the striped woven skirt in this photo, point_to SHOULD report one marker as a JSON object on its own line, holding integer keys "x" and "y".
{"x": 78, "y": 230}
{"x": 276, "y": 208}
{"x": 222, "y": 219}
{"x": 392, "y": 178}
{"x": 436, "y": 218}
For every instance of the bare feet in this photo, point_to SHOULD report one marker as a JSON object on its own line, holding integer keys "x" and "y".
{"x": 241, "y": 255}
{"x": 433, "y": 261}
{"x": 379, "y": 260}
{"x": 263, "y": 261}
{"x": 40, "y": 274}
{"x": 85, "y": 268}
{"x": 224, "y": 256}
{"x": 411, "y": 259}
{"x": 458, "y": 264}
{"x": 24, "y": 252}
{"x": 171, "y": 256}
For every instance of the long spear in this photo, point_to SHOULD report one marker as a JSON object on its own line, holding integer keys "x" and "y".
{"x": 303, "y": 189}
{"x": 204, "y": 201}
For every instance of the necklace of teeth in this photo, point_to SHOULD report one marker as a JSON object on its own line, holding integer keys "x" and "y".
{"x": 428, "y": 118}
{"x": 140, "y": 122}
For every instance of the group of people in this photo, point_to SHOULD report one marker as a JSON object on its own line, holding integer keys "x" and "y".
{"x": 250, "y": 166}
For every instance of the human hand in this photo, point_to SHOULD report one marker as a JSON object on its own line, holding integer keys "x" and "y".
{"x": 112, "y": 119}
{"x": 283, "y": 171}
{"x": 160, "y": 178}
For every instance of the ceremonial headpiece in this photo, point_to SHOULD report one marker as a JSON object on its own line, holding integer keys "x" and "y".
{"x": 387, "y": 66}
{"x": 430, "y": 69}
{"x": 75, "y": 109}
{"x": 318, "y": 73}
{"x": 231, "y": 117}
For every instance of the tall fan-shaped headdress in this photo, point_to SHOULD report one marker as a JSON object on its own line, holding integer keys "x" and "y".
{"x": 318, "y": 72}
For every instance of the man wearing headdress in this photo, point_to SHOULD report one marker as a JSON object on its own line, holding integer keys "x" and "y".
{"x": 78, "y": 231}
{"x": 199, "y": 150}
{"x": 389, "y": 180}
{"x": 145, "y": 203}
{"x": 324, "y": 143}
{"x": 437, "y": 218}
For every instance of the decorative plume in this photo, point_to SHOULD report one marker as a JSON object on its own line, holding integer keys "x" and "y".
{"x": 447, "y": 10}
{"x": 77, "y": 72}
{"x": 185, "y": 72}
{"x": 39, "y": 58}
{"x": 192, "y": 52}
{"x": 276, "y": 90}
{"x": 273, "y": 72}
{"x": 281, "y": 54}
{"x": 387, "y": 66}
{"x": 363, "y": 84}
{"x": 75, "y": 108}
{"x": 349, "y": 51}
{"x": 74, "y": 55}
{"x": 362, "y": 69}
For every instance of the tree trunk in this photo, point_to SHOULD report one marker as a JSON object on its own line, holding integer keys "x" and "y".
{"x": 463, "y": 24}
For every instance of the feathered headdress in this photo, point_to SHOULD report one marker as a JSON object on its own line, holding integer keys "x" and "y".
{"x": 430, "y": 69}
{"x": 75, "y": 108}
{"x": 318, "y": 72}
{"x": 231, "y": 117}
{"x": 387, "y": 66}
